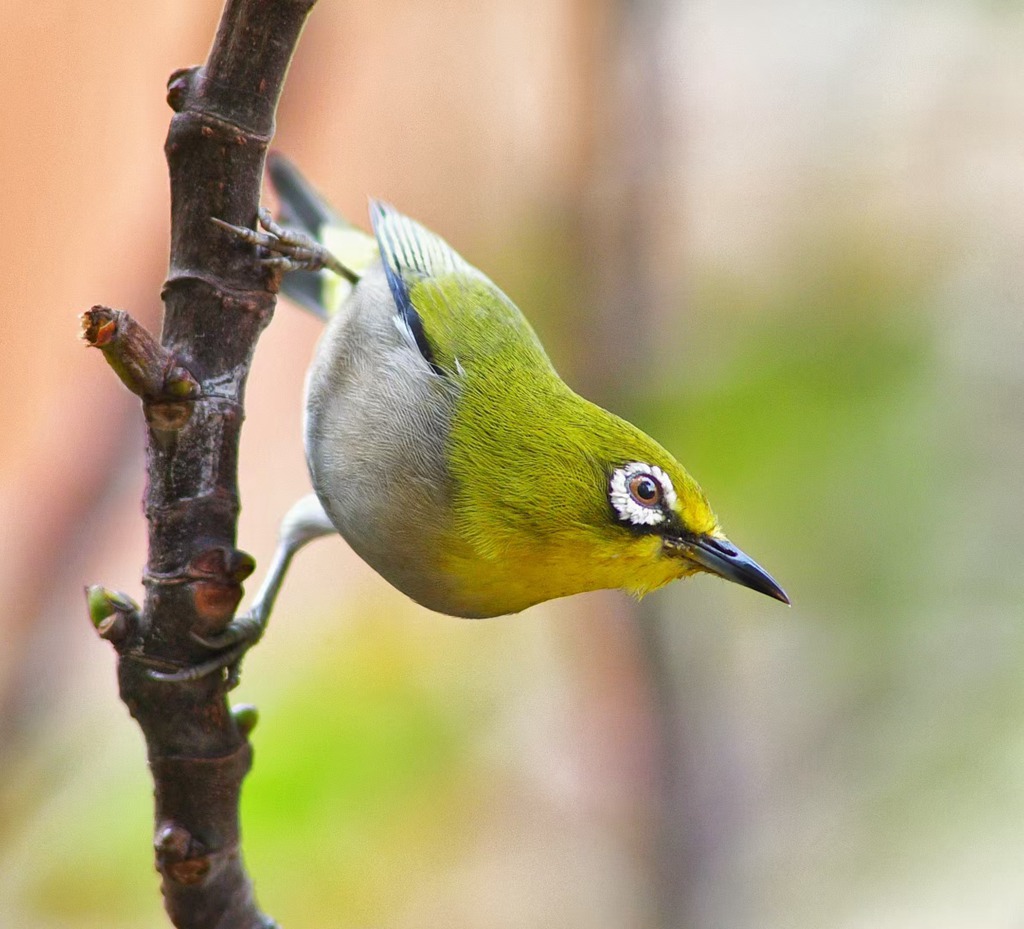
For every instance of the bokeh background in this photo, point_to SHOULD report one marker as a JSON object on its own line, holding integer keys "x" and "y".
{"x": 786, "y": 238}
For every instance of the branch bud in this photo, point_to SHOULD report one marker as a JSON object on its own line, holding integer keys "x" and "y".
{"x": 114, "y": 614}
{"x": 217, "y": 575}
{"x": 175, "y": 856}
{"x": 246, "y": 715}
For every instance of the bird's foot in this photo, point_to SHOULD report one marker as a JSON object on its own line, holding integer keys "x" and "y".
{"x": 305, "y": 521}
{"x": 229, "y": 647}
{"x": 290, "y": 249}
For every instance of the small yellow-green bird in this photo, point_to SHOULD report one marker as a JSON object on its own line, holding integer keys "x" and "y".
{"x": 445, "y": 448}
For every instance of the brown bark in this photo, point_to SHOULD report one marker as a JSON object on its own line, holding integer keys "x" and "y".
{"x": 217, "y": 302}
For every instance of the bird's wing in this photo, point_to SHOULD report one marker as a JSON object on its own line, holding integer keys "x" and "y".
{"x": 458, "y": 319}
{"x": 302, "y": 207}
{"x": 412, "y": 255}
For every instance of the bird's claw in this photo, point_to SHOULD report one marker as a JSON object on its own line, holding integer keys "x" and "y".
{"x": 228, "y": 663}
{"x": 243, "y": 629}
{"x": 230, "y": 646}
{"x": 305, "y": 521}
{"x": 291, "y": 250}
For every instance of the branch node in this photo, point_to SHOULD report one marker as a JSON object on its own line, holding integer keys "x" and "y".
{"x": 222, "y": 562}
{"x": 167, "y": 417}
{"x": 215, "y": 605}
{"x": 176, "y": 854}
{"x": 217, "y": 575}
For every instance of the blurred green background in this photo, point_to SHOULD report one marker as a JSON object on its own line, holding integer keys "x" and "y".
{"x": 788, "y": 240}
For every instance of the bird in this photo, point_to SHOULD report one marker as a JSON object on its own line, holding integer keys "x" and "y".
{"x": 444, "y": 447}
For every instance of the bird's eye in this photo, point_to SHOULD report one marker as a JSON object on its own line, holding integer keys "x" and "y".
{"x": 645, "y": 490}
{"x": 641, "y": 494}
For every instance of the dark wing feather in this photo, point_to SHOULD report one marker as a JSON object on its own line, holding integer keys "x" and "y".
{"x": 303, "y": 209}
{"x": 411, "y": 252}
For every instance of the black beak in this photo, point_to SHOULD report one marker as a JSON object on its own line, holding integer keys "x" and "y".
{"x": 721, "y": 557}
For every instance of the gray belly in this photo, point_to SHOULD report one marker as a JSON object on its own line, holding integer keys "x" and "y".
{"x": 377, "y": 424}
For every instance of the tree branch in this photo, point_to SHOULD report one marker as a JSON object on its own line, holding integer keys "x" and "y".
{"x": 217, "y": 302}
{"x": 145, "y": 367}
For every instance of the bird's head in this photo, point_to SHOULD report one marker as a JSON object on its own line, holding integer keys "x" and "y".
{"x": 592, "y": 503}
{"x": 656, "y": 510}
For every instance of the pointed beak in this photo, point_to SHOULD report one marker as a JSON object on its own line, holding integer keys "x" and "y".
{"x": 721, "y": 557}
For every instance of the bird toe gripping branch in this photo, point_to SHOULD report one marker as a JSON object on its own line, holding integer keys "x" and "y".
{"x": 292, "y": 250}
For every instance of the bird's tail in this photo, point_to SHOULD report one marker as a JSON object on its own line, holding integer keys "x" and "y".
{"x": 303, "y": 209}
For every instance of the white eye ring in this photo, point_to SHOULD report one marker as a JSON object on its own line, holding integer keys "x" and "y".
{"x": 627, "y": 507}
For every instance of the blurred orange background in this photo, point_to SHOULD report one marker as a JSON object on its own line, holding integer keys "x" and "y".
{"x": 785, "y": 239}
